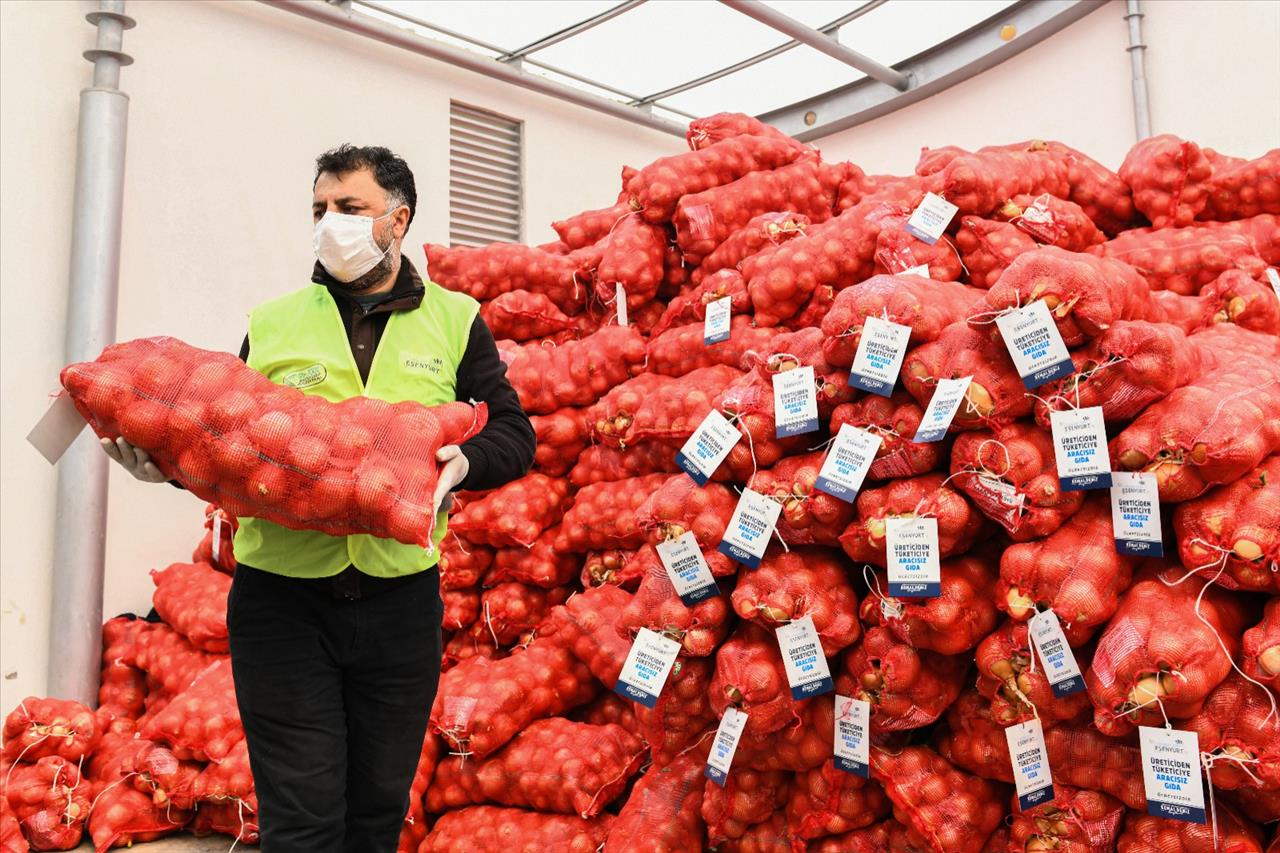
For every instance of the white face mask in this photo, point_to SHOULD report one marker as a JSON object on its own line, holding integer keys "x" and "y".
{"x": 345, "y": 246}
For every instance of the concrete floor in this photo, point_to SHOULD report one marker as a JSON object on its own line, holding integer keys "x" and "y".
{"x": 183, "y": 843}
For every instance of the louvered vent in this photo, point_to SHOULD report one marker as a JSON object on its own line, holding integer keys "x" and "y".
{"x": 486, "y": 198}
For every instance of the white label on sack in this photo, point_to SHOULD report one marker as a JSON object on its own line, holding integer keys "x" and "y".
{"x": 217, "y": 534}
{"x": 931, "y": 218}
{"x": 943, "y": 405}
{"x": 710, "y": 443}
{"x": 853, "y": 724}
{"x": 1135, "y": 514}
{"x": 881, "y": 349}
{"x": 1274, "y": 278}
{"x": 1171, "y": 773}
{"x": 1080, "y": 446}
{"x": 716, "y": 326}
{"x": 725, "y": 745}
{"x": 688, "y": 569}
{"x": 647, "y": 666}
{"x": 1059, "y": 661}
{"x": 60, "y": 425}
{"x": 747, "y": 536}
{"x": 621, "y": 299}
{"x": 1035, "y": 344}
{"x": 911, "y": 545}
{"x": 795, "y": 402}
{"x": 921, "y": 270}
{"x": 805, "y": 662}
{"x": 1031, "y": 776}
{"x": 847, "y": 463}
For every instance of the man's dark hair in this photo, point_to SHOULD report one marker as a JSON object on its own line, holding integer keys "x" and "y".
{"x": 389, "y": 170}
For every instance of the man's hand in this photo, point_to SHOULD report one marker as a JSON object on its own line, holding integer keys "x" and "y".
{"x": 453, "y": 470}
{"x": 134, "y": 460}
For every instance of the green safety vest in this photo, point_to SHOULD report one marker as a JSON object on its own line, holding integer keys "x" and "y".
{"x": 300, "y": 340}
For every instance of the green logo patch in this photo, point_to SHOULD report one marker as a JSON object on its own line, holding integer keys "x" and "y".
{"x": 307, "y": 376}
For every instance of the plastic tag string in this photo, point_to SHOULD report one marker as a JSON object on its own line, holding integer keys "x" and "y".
{"x": 986, "y": 318}
{"x": 872, "y": 580}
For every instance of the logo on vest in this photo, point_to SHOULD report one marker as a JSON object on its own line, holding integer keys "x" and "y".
{"x": 307, "y": 376}
{"x": 430, "y": 363}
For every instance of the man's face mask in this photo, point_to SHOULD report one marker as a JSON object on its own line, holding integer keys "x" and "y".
{"x": 345, "y": 245}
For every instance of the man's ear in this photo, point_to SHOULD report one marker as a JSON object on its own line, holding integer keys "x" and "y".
{"x": 400, "y": 222}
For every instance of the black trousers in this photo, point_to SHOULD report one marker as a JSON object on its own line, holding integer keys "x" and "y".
{"x": 335, "y": 680}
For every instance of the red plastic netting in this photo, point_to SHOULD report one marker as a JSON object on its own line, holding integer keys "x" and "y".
{"x": 952, "y": 622}
{"x": 1260, "y": 653}
{"x": 1168, "y": 177}
{"x": 748, "y": 797}
{"x": 192, "y": 597}
{"x": 202, "y": 723}
{"x": 123, "y": 686}
{"x": 590, "y": 226}
{"x": 895, "y": 419}
{"x": 612, "y": 567}
{"x": 1074, "y": 821}
{"x": 601, "y": 464}
{"x": 230, "y": 779}
{"x": 607, "y": 708}
{"x": 760, "y": 233}
{"x": 603, "y": 515}
{"x": 634, "y": 252}
{"x": 802, "y": 582}
{"x": 461, "y": 608}
{"x": 664, "y": 812}
{"x": 515, "y": 514}
{"x": 681, "y": 350}
{"x": 1239, "y": 730}
{"x": 680, "y": 505}
{"x": 898, "y": 250}
{"x": 951, "y": 811}
{"x": 996, "y": 394}
{"x": 575, "y": 373}
{"x": 1244, "y": 188}
{"x": 906, "y": 687}
{"x": 750, "y": 677}
{"x": 1051, "y": 221}
{"x": 699, "y": 629}
{"x": 987, "y": 248}
{"x": 1237, "y": 297}
{"x": 716, "y": 128}
{"x": 1184, "y": 260}
{"x": 561, "y": 437}
{"x": 487, "y": 272}
{"x": 170, "y": 662}
{"x": 123, "y": 816}
{"x": 49, "y": 727}
{"x": 827, "y": 801}
{"x": 973, "y": 741}
{"x": 682, "y": 720}
{"x": 659, "y": 408}
{"x": 918, "y": 497}
{"x": 51, "y": 801}
{"x": 510, "y": 611}
{"x": 809, "y": 517}
{"x": 493, "y": 829}
{"x": 1228, "y": 833}
{"x": 522, "y": 316}
{"x": 157, "y": 772}
{"x": 221, "y": 556}
{"x": 691, "y": 303}
{"x": 1104, "y": 197}
{"x": 587, "y": 626}
{"x": 540, "y": 564}
{"x": 799, "y": 747}
{"x": 979, "y": 183}
{"x": 1236, "y": 526}
{"x": 1016, "y": 685}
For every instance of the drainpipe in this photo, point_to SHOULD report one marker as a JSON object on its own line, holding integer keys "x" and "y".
{"x": 75, "y": 624}
{"x": 1137, "y": 58}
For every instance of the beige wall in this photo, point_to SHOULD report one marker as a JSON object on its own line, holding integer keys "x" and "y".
{"x": 1075, "y": 87}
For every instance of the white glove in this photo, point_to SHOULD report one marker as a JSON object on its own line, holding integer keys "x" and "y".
{"x": 134, "y": 460}
{"x": 453, "y": 471}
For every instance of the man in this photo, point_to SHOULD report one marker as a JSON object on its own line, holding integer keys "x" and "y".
{"x": 335, "y": 641}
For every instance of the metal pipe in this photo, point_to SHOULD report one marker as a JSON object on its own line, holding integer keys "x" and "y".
{"x": 571, "y": 31}
{"x": 819, "y": 41}
{"x": 80, "y": 526}
{"x": 1137, "y": 59}
{"x": 386, "y": 33}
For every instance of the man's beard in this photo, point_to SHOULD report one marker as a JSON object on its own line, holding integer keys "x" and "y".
{"x": 374, "y": 276}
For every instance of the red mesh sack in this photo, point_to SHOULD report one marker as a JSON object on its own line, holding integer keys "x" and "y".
{"x": 815, "y": 310}
{"x": 680, "y": 505}
{"x": 979, "y": 183}
{"x": 1100, "y": 192}
{"x": 561, "y": 437}
{"x": 157, "y": 772}
{"x": 681, "y": 350}
{"x": 1184, "y": 260}
{"x": 773, "y": 835}
{"x": 1260, "y": 655}
{"x": 492, "y": 829}
{"x": 1227, "y": 833}
{"x": 1125, "y": 369}
{"x": 487, "y": 272}
{"x": 462, "y": 565}
{"x": 234, "y": 437}
{"x": 672, "y": 411}
{"x": 952, "y": 622}
{"x": 1226, "y": 343}
{"x": 603, "y": 515}
{"x": 576, "y": 373}
{"x": 170, "y": 662}
{"x": 466, "y": 644}
{"x": 698, "y": 629}
{"x": 895, "y": 419}
{"x": 1080, "y": 756}
{"x": 973, "y": 741}
{"x": 481, "y": 704}
{"x": 827, "y": 801}
{"x": 898, "y": 250}
{"x": 554, "y": 765}
{"x": 809, "y": 517}
{"x": 122, "y": 816}
{"x": 192, "y": 597}
{"x": 611, "y": 415}
{"x": 634, "y": 253}
{"x": 750, "y": 677}
{"x": 748, "y": 797}
{"x": 1163, "y": 652}
{"x": 590, "y": 226}
{"x": 748, "y": 402}
{"x": 587, "y": 626}
{"x": 711, "y": 129}
{"x": 202, "y": 723}
{"x": 919, "y": 497}
{"x": 1085, "y": 294}
{"x": 798, "y": 583}
{"x": 11, "y": 838}
{"x": 682, "y": 720}
{"x": 1240, "y": 190}
{"x": 600, "y": 464}
{"x": 926, "y": 306}
{"x": 906, "y": 687}
{"x": 522, "y": 316}
{"x": 228, "y": 780}
{"x": 951, "y": 811}
{"x": 987, "y": 248}
{"x": 1074, "y": 821}
{"x": 608, "y": 708}
{"x": 50, "y": 799}
{"x": 220, "y": 556}
{"x": 509, "y": 611}
{"x": 1237, "y": 297}
{"x": 43, "y": 727}
{"x": 664, "y": 812}
{"x": 1016, "y": 685}
{"x": 761, "y": 233}
{"x": 1051, "y": 221}
{"x": 995, "y": 396}
{"x": 1011, "y": 475}
{"x": 1075, "y": 570}
{"x": 803, "y": 347}
{"x": 886, "y": 189}
{"x": 233, "y": 819}
{"x": 461, "y": 608}
{"x": 1212, "y": 431}
{"x": 123, "y": 687}
{"x": 676, "y": 276}
{"x": 1236, "y": 527}
{"x": 1258, "y": 806}
{"x": 1240, "y": 733}
{"x": 798, "y": 748}
{"x": 1169, "y": 178}
{"x": 691, "y": 304}
{"x": 611, "y": 567}
{"x": 514, "y": 514}
{"x": 657, "y": 188}
{"x": 540, "y": 564}
{"x": 934, "y": 160}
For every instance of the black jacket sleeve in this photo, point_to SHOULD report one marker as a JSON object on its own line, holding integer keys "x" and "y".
{"x": 503, "y": 450}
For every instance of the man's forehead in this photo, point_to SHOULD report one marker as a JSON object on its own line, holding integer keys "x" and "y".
{"x": 358, "y": 183}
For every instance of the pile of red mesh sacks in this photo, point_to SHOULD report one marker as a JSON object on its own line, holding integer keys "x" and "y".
{"x": 749, "y": 265}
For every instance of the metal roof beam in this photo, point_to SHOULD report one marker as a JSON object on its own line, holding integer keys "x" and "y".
{"x": 571, "y": 31}
{"x": 945, "y": 64}
{"x": 819, "y": 41}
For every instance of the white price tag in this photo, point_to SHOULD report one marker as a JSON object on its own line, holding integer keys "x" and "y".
{"x": 716, "y": 326}
{"x": 931, "y": 218}
{"x": 1035, "y": 344}
{"x": 795, "y": 402}
{"x": 710, "y": 443}
{"x": 688, "y": 569}
{"x": 1171, "y": 773}
{"x": 847, "y": 463}
{"x": 1055, "y": 654}
{"x": 943, "y": 405}
{"x": 217, "y": 534}
{"x": 853, "y": 724}
{"x": 1080, "y": 446}
{"x": 1031, "y": 776}
{"x": 57, "y": 428}
{"x": 922, "y": 270}
{"x": 805, "y": 662}
{"x": 725, "y": 745}
{"x": 1274, "y": 278}
{"x": 1135, "y": 514}
{"x": 881, "y": 349}
{"x": 747, "y": 535}
{"x": 912, "y": 548}
{"x": 620, "y": 297}
{"x": 647, "y": 666}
